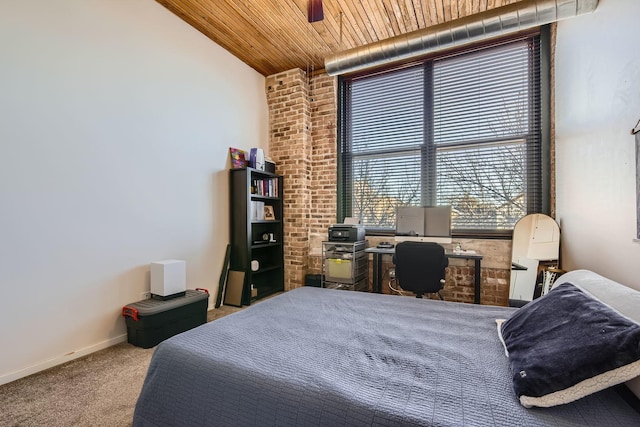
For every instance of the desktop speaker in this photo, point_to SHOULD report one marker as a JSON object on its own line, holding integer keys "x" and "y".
{"x": 168, "y": 278}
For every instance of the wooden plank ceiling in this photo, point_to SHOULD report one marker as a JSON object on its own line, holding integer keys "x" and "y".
{"x": 274, "y": 35}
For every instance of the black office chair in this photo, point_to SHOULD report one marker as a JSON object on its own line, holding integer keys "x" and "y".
{"x": 420, "y": 267}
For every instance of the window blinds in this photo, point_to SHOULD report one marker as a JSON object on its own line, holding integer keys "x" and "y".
{"x": 461, "y": 130}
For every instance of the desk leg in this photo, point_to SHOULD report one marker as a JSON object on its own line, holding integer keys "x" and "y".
{"x": 476, "y": 283}
{"x": 377, "y": 273}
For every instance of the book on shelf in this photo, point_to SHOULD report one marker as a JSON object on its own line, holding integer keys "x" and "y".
{"x": 257, "y": 210}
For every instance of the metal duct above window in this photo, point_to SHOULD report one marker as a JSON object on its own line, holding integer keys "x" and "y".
{"x": 482, "y": 26}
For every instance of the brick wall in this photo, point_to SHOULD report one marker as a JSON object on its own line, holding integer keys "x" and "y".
{"x": 303, "y": 119}
{"x": 324, "y": 195}
{"x": 290, "y": 148}
{"x": 459, "y": 285}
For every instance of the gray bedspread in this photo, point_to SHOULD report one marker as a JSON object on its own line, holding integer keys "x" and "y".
{"x": 321, "y": 357}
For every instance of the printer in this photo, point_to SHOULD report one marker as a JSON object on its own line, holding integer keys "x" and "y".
{"x": 346, "y": 233}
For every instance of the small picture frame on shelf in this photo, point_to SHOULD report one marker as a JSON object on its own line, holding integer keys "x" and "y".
{"x": 269, "y": 214}
{"x": 238, "y": 158}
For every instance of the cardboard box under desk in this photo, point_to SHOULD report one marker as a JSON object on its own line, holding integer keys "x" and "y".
{"x": 149, "y": 322}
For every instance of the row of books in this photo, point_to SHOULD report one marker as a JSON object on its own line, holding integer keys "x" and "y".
{"x": 265, "y": 187}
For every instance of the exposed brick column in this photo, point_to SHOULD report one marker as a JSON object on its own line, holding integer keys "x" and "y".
{"x": 290, "y": 148}
{"x": 324, "y": 113}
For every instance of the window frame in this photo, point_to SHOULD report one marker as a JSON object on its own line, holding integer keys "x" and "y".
{"x": 544, "y": 33}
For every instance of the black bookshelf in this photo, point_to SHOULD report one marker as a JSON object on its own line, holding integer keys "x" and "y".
{"x": 255, "y": 237}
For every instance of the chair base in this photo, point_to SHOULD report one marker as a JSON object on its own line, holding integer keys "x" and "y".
{"x": 420, "y": 294}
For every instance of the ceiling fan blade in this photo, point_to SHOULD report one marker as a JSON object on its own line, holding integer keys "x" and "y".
{"x": 314, "y": 11}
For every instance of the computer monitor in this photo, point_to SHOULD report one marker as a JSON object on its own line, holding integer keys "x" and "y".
{"x": 410, "y": 221}
{"x": 423, "y": 224}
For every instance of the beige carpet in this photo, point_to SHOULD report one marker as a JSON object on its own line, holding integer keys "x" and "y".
{"x": 100, "y": 389}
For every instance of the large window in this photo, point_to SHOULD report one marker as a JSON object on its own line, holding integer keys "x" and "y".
{"x": 463, "y": 130}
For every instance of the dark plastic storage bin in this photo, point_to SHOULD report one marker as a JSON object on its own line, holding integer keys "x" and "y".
{"x": 313, "y": 280}
{"x": 151, "y": 321}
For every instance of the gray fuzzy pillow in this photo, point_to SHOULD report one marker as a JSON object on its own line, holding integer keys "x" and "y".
{"x": 567, "y": 345}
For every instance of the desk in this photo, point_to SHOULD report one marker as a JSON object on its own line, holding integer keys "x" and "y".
{"x": 377, "y": 268}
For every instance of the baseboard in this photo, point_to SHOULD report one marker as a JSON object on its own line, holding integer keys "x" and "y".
{"x": 16, "y": 375}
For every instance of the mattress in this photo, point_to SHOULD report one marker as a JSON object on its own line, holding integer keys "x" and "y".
{"x": 322, "y": 357}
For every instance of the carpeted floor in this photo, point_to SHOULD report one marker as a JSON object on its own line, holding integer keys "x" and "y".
{"x": 100, "y": 389}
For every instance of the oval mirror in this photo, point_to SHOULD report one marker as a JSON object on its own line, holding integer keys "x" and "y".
{"x": 536, "y": 238}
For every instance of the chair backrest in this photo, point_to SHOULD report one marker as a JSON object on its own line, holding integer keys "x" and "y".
{"x": 420, "y": 266}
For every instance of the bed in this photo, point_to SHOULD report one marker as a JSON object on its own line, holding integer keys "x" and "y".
{"x": 322, "y": 357}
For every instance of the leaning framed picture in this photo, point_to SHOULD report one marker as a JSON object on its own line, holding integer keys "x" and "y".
{"x": 222, "y": 284}
{"x": 238, "y": 158}
{"x": 233, "y": 291}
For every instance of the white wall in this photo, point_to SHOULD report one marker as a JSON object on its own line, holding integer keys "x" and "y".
{"x": 597, "y": 103}
{"x": 115, "y": 122}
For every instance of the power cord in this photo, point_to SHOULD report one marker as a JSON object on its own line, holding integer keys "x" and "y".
{"x": 392, "y": 280}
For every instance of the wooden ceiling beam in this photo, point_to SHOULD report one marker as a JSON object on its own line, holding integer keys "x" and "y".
{"x": 395, "y": 18}
{"x": 199, "y": 20}
{"x": 380, "y": 20}
{"x": 351, "y": 36}
{"x": 219, "y": 32}
{"x": 273, "y": 35}
{"x": 253, "y": 23}
{"x": 419, "y": 10}
{"x": 358, "y": 16}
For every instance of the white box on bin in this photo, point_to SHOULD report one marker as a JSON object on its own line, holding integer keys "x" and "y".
{"x": 168, "y": 277}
